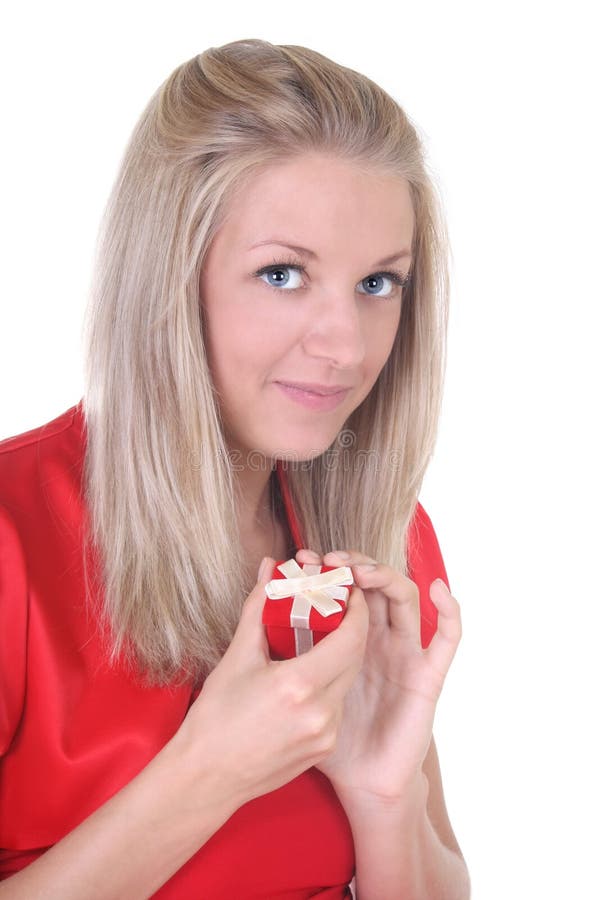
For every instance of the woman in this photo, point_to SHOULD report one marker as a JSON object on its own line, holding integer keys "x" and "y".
{"x": 264, "y": 368}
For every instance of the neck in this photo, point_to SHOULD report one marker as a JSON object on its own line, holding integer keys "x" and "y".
{"x": 254, "y": 499}
{"x": 261, "y": 533}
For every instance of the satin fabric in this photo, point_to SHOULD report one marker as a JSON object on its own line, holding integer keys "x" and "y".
{"x": 74, "y": 731}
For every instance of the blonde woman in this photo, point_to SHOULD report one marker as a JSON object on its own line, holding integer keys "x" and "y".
{"x": 265, "y": 357}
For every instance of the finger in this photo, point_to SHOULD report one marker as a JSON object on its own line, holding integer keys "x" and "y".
{"x": 250, "y": 637}
{"x": 399, "y": 593}
{"x": 340, "y": 653}
{"x": 378, "y": 604}
{"x": 346, "y": 558}
{"x": 379, "y": 616}
{"x": 446, "y": 639}
{"x": 308, "y": 556}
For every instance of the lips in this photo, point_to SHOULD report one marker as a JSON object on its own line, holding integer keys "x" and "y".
{"x": 321, "y": 390}
{"x": 312, "y": 398}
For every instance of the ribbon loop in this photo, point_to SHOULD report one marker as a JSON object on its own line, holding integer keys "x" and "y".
{"x": 310, "y": 588}
{"x": 320, "y": 590}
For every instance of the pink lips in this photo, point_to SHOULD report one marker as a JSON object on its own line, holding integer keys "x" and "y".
{"x": 314, "y": 396}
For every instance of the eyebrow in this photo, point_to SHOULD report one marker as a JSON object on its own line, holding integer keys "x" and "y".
{"x": 304, "y": 251}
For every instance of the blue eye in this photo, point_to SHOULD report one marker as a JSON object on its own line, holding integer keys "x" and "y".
{"x": 395, "y": 278}
{"x": 278, "y": 278}
{"x": 276, "y": 271}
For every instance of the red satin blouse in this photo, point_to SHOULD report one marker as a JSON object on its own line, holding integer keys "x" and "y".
{"x": 73, "y": 732}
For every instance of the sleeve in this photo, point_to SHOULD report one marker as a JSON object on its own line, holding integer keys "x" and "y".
{"x": 425, "y": 564}
{"x": 13, "y": 630}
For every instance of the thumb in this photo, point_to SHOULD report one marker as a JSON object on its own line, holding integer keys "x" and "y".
{"x": 265, "y": 570}
{"x": 250, "y": 631}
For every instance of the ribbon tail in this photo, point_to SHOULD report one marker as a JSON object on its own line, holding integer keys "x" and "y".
{"x": 304, "y": 640}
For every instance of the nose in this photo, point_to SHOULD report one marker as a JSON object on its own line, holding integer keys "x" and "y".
{"x": 335, "y": 331}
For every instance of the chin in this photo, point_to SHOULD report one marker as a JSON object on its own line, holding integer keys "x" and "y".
{"x": 301, "y": 451}
{"x": 292, "y": 456}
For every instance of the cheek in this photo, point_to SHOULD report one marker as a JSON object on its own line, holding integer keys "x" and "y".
{"x": 245, "y": 342}
{"x": 381, "y": 343}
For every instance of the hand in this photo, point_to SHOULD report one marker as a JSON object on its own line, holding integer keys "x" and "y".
{"x": 389, "y": 709}
{"x": 258, "y": 723}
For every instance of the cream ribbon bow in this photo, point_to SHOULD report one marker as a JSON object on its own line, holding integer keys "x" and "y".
{"x": 309, "y": 587}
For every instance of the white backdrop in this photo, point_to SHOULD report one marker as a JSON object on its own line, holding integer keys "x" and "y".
{"x": 504, "y": 96}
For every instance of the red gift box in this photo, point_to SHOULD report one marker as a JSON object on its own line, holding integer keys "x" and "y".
{"x": 300, "y": 615}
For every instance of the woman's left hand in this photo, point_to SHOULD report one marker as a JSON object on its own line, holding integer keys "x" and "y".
{"x": 388, "y": 713}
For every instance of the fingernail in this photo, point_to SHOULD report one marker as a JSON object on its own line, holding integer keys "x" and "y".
{"x": 341, "y": 554}
{"x": 443, "y": 584}
{"x": 312, "y": 553}
{"x": 366, "y": 567}
{"x": 262, "y": 569}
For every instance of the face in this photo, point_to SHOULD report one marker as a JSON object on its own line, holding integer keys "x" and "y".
{"x": 323, "y": 316}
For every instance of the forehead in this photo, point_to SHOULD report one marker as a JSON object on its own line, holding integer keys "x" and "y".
{"x": 324, "y": 200}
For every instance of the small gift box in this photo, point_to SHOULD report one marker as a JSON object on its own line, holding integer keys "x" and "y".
{"x": 304, "y": 603}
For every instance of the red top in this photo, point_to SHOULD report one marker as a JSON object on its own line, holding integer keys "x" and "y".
{"x": 73, "y": 731}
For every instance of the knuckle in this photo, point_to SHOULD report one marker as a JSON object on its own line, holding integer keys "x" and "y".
{"x": 327, "y": 743}
{"x": 294, "y": 690}
{"x": 317, "y": 723}
{"x": 323, "y": 741}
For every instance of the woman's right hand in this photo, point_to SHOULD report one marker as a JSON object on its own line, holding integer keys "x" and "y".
{"x": 258, "y": 723}
{"x": 255, "y": 725}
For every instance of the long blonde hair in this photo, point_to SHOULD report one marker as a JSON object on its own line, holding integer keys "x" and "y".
{"x": 170, "y": 585}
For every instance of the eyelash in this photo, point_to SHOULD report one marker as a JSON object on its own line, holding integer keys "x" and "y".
{"x": 400, "y": 279}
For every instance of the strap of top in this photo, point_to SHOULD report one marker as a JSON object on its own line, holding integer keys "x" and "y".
{"x": 293, "y": 521}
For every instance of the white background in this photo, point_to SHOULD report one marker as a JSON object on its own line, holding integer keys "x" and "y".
{"x": 504, "y": 97}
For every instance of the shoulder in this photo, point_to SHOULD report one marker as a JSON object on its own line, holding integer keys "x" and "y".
{"x": 16, "y": 448}
{"x": 30, "y": 460}
{"x": 40, "y": 474}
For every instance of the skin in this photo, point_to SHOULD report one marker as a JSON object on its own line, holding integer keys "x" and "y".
{"x": 328, "y": 331}
{"x": 360, "y": 704}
